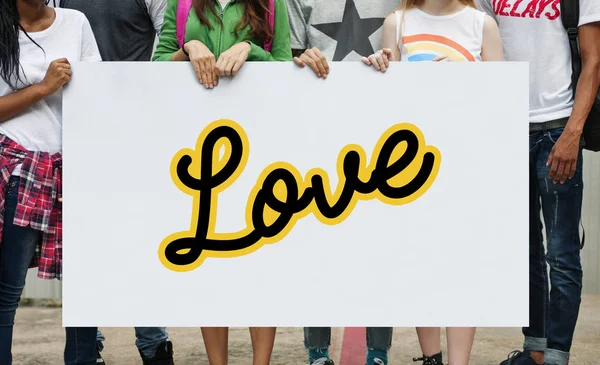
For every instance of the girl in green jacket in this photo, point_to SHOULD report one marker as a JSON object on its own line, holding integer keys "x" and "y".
{"x": 221, "y": 35}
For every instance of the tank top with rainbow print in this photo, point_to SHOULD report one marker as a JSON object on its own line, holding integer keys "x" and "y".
{"x": 424, "y": 37}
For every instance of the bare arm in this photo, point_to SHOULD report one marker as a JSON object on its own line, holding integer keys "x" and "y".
{"x": 589, "y": 80}
{"x": 564, "y": 154}
{"x": 19, "y": 101}
{"x": 59, "y": 73}
{"x": 389, "y": 37}
{"x": 491, "y": 49}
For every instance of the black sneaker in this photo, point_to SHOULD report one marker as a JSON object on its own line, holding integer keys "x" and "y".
{"x": 163, "y": 356}
{"x": 322, "y": 361}
{"x": 519, "y": 358}
{"x": 99, "y": 359}
{"x": 433, "y": 360}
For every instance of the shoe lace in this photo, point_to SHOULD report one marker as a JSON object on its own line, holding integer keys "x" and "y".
{"x": 426, "y": 360}
{"x": 513, "y": 355}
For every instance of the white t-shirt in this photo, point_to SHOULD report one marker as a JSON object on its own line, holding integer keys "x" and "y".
{"x": 70, "y": 37}
{"x": 224, "y": 3}
{"x": 532, "y": 31}
{"x": 423, "y": 37}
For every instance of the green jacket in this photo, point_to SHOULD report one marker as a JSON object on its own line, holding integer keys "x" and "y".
{"x": 221, "y": 38}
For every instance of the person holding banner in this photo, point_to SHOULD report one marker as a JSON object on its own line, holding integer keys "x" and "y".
{"x": 217, "y": 38}
{"x": 562, "y": 91}
{"x": 317, "y": 34}
{"x": 125, "y": 31}
{"x": 38, "y": 44}
{"x": 462, "y": 33}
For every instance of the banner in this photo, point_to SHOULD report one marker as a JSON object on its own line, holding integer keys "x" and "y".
{"x": 279, "y": 199}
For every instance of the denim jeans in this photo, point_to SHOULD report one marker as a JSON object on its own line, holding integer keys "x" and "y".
{"x": 319, "y": 338}
{"x": 147, "y": 339}
{"x": 80, "y": 347}
{"x": 553, "y": 312}
{"x": 16, "y": 251}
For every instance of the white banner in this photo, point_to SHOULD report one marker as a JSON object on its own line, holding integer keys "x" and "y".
{"x": 278, "y": 199}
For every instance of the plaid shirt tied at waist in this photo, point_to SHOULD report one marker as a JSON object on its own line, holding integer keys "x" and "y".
{"x": 38, "y": 207}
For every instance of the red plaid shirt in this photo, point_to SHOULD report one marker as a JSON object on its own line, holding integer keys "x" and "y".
{"x": 38, "y": 207}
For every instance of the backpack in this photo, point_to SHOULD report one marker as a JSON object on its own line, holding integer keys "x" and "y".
{"x": 570, "y": 20}
{"x": 183, "y": 12}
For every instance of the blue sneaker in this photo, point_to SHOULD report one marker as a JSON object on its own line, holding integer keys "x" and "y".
{"x": 519, "y": 358}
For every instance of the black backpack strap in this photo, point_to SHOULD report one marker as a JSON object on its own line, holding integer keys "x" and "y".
{"x": 582, "y": 238}
{"x": 570, "y": 19}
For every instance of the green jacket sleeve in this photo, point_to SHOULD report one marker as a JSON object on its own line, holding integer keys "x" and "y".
{"x": 282, "y": 49}
{"x": 167, "y": 41}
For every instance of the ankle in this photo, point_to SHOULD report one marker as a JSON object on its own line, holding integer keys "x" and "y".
{"x": 537, "y": 356}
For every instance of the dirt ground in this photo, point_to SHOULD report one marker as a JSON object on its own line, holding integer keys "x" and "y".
{"x": 39, "y": 340}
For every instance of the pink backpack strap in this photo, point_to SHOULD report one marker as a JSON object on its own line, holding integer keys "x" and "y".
{"x": 183, "y": 12}
{"x": 271, "y": 18}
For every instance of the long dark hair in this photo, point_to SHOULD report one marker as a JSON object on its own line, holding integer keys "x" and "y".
{"x": 10, "y": 66}
{"x": 255, "y": 16}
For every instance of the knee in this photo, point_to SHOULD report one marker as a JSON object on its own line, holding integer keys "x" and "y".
{"x": 10, "y": 295}
{"x": 565, "y": 268}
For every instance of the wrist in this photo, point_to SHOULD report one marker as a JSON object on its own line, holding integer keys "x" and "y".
{"x": 248, "y": 44}
{"x": 41, "y": 90}
{"x": 185, "y": 52}
{"x": 575, "y": 127}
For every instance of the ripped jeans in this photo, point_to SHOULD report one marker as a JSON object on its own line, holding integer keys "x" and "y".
{"x": 554, "y": 308}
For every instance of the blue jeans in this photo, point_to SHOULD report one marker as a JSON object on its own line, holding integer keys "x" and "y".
{"x": 16, "y": 251}
{"x": 147, "y": 339}
{"x": 553, "y": 312}
{"x": 82, "y": 343}
{"x": 80, "y": 347}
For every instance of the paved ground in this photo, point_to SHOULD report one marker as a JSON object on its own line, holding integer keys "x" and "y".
{"x": 39, "y": 340}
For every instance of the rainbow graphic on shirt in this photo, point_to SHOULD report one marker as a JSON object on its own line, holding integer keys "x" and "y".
{"x": 427, "y": 47}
